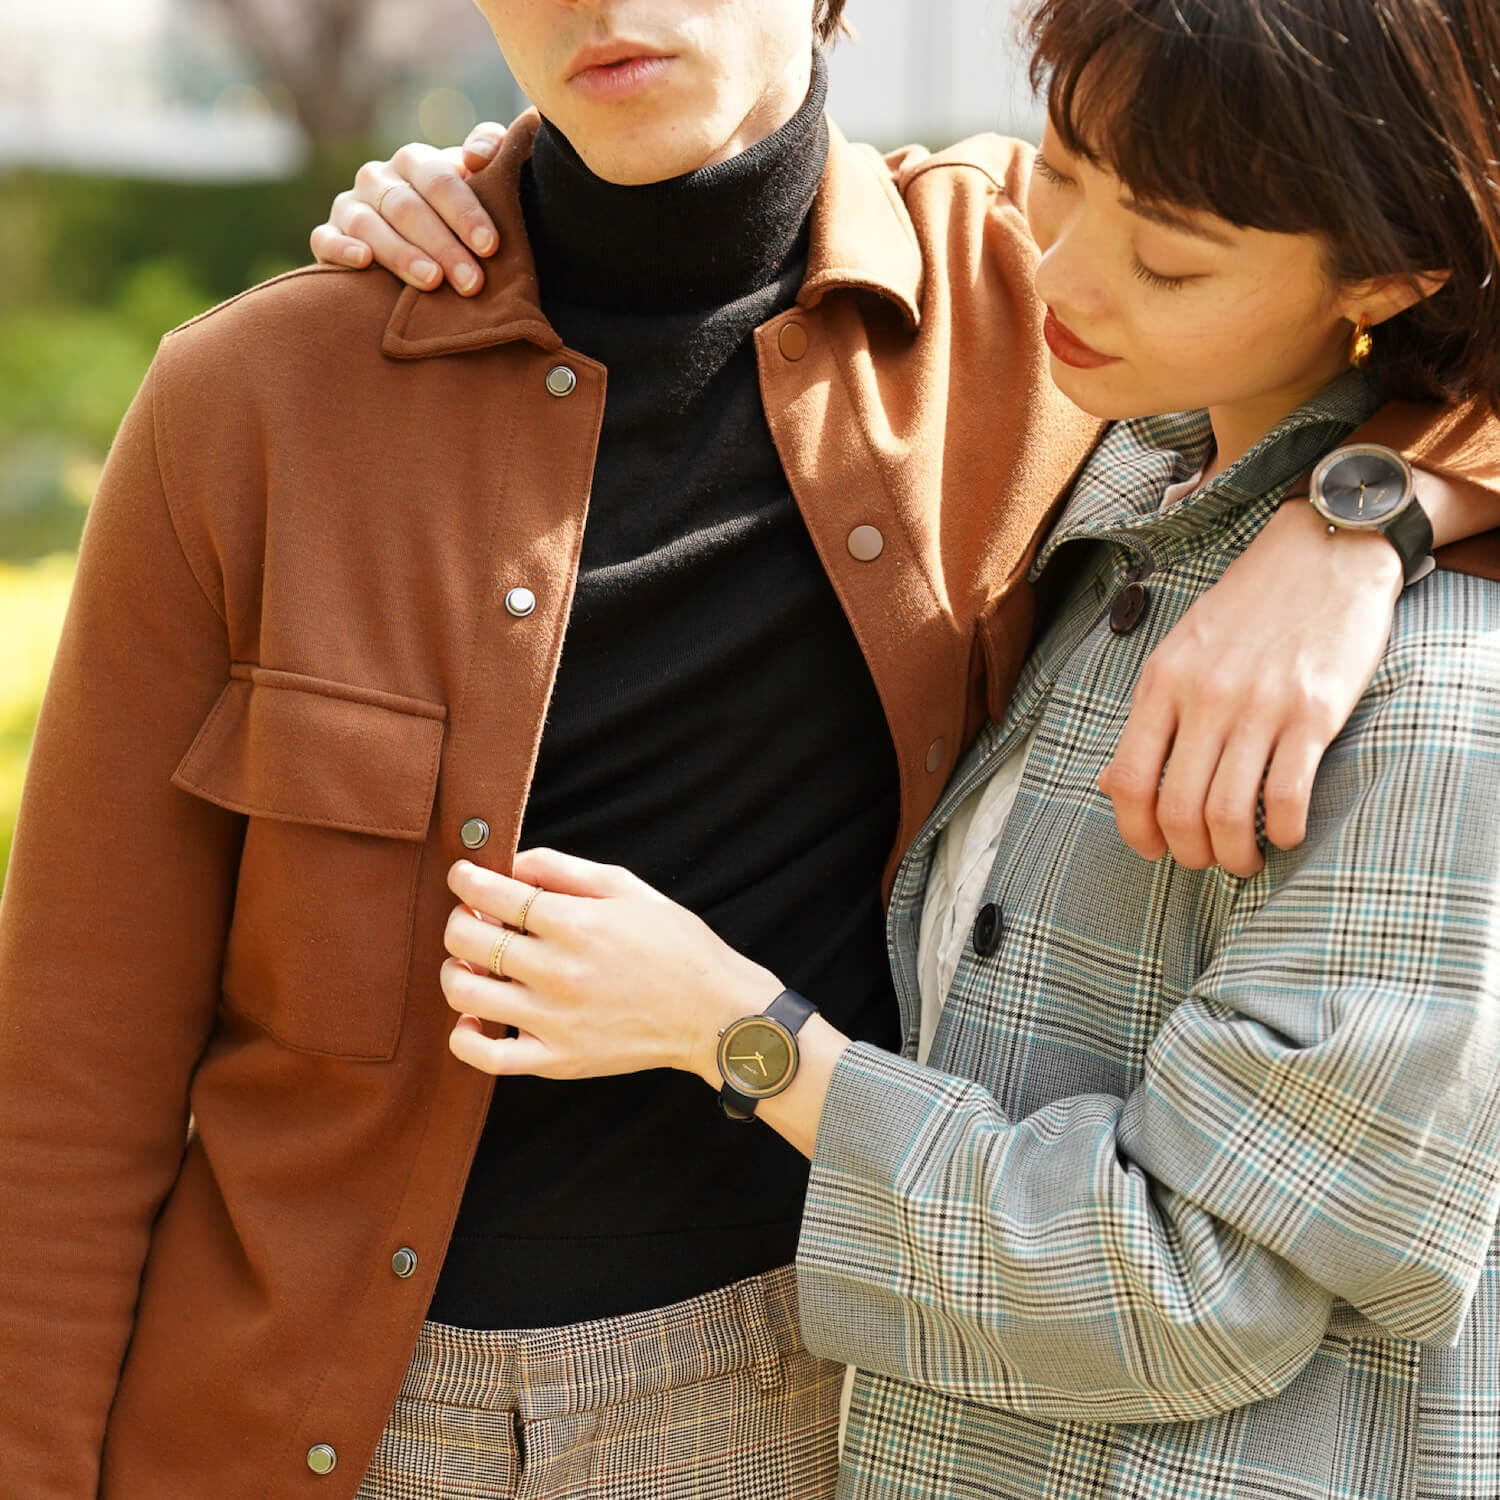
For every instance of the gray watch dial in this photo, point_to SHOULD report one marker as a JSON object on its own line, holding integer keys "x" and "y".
{"x": 1362, "y": 486}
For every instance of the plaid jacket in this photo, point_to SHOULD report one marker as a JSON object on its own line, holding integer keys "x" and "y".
{"x": 1199, "y": 1196}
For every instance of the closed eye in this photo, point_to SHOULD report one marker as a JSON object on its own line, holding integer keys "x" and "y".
{"x": 1047, "y": 172}
{"x": 1161, "y": 283}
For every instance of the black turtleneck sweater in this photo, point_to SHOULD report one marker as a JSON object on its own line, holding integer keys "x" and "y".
{"x": 713, "y": 727}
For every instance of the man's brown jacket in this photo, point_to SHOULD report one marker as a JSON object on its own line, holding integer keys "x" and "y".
{"x": 319, "y": 607}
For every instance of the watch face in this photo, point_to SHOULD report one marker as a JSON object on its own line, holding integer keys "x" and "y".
{"x": 758, "y": 1057}
{"x": 1362, "y": 485}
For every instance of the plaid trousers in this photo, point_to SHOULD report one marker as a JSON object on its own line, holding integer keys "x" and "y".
{"x": 714, "y": 1398}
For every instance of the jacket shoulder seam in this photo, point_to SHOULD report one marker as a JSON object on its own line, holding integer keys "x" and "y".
{"x": 219, "y": 307}
{"x": 161, "y": 452}
{"x": 934, "y": 163}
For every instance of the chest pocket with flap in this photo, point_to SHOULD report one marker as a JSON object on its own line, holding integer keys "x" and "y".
{"x": 338, "y": 785}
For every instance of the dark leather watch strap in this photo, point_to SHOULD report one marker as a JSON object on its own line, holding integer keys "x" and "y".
{"x": 1410, "y": 533}
{"x": 792, "y": 1010}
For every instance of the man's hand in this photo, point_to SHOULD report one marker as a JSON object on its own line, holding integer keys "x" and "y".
{"x": 1250, "y": 689}
{"x": 416, "y": 215}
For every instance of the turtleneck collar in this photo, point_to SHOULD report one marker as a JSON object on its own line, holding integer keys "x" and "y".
{"x": 692, "y": 242}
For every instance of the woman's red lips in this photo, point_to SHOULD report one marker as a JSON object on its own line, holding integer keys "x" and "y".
{"x": 1071, "y": 349}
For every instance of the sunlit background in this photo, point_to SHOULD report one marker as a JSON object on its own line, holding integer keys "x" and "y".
{"x": 157, "y": 156}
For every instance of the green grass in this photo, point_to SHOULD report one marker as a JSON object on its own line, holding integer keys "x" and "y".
{"x": 33, "y": 599}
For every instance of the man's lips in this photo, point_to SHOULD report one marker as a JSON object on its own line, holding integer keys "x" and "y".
{"x": 1071, "y": 349}
{"x": 618, "y": 70}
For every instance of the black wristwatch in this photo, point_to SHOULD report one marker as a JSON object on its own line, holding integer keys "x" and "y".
{"x": 758, "y": 1054}
{"x": 1366, "y": 487}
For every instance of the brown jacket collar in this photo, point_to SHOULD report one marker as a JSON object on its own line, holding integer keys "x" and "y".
{"x": 862, "y": 237}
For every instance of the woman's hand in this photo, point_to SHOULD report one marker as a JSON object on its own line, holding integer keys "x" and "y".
{"x": 608, "y": 977}
{"x": 416, "y": 215}
{"x": 1251, "y": 687}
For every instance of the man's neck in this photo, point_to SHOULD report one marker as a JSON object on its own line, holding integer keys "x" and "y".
{"x": 699, "y": 241}
{"x": 774, "y": 109}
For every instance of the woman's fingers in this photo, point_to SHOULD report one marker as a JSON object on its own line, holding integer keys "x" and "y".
{"x": 482, "y": 945}
{"x": 418, "y": 216}
{"x": 1132, "y": 779}
{"x": 498, "y": 1056}
{"x": 480, "y": 146}
{"x": 1289, "y": 783}
{"x": 405, "y": 212}
{"x": 335, "y": 249}
{"x": 1232, "y": 799}
{"x": 1181, "y": 804}
{"x": 568, "y": 874}
{"x": 439, "y": 179}
{"x": 355, "y": 219}
{"x": 503, "y": 898}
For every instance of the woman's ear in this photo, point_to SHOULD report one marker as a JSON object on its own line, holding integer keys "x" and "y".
{"x": 1382, "y": 297}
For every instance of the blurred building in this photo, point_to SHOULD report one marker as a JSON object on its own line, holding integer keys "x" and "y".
{"x": 932, "y": 71}
{"x": 164, "y": 87}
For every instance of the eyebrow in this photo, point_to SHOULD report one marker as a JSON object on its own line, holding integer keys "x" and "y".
{"x": 1170, "y": 218}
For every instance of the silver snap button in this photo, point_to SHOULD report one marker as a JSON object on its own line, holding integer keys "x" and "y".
{"x": 520, "y": 602}
{"x": 935, "y": 753}
{"x": 561, "y": 381}
{"x": 475, "y": 834}
{"x": 865, "y": 544}
{"x": 404, "y": 1262}
{"x": 321, "y": 1459}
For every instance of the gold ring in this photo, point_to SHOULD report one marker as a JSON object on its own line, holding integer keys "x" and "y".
{"x": 536, "y": 891}
{"x": 380, "y": 196}
{"x": 497, "y": 954}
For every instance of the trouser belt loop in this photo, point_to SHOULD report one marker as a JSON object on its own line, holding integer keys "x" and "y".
{"x": 768, "y": 1371}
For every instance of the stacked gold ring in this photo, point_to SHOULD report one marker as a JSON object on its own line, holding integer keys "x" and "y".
{"x": 497, "y": 954}
{"x": 536, "y": 891}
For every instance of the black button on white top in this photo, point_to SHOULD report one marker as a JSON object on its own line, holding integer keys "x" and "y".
{"x": 989, "y": 928}
{"x": 1129, "y": 608}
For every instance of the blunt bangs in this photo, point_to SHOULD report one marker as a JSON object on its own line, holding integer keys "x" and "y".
{"x": 1188, "y": 103}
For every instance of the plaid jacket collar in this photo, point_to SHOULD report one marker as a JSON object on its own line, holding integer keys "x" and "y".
{"x": 1118, "y": 496}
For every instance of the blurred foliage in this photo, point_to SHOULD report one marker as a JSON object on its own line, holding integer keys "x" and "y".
{"x": 92, "y": 272}
{"x": 32, "y": 602}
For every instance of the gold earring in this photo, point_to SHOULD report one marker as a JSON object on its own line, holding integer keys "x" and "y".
{"x": 1362, "y": 345}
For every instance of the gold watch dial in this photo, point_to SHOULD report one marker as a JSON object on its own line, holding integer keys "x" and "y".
{"x": 758, "y": 1057}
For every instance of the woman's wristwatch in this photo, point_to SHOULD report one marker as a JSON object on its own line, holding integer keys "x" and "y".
{"x": 1367, "y": 487}
{"x": 758, "y": 1054}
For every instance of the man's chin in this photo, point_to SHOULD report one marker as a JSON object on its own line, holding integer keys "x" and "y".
{"x": 635, "y": 152}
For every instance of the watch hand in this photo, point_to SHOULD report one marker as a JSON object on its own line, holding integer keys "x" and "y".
{"x": 754, "y": 1057}
{"x": 1361, "y": 497}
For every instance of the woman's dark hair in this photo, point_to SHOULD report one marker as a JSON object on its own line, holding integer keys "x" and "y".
{"x": 1373, "y": 123}
{"x": 828, "y": 16}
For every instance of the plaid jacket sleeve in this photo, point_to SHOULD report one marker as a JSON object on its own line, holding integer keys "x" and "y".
{"x": 1318, "y": 1122}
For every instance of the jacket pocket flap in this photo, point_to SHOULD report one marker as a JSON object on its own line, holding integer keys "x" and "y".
{"x": 305, "y": 750}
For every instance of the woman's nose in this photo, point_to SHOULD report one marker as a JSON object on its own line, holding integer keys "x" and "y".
{"x": 1068, "y": 274}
